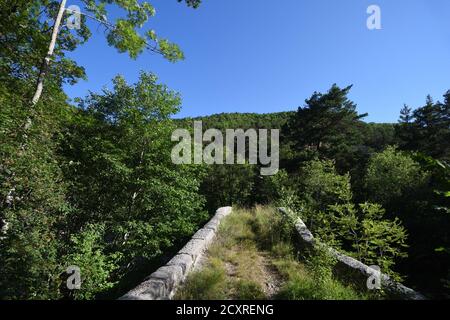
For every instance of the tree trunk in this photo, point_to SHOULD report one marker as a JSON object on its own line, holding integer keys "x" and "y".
{"x": 51, "y": 48}
{"x": 37, "y": 95}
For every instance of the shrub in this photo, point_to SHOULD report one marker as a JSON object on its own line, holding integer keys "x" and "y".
{"x": 392, "y": 175}
{"x": 313, "y": 282}
{"x": 96, "y": 265}
{"x": 369, "y": 237}
{"x": 361, "y": 230}
{"x": 321, "y": 186}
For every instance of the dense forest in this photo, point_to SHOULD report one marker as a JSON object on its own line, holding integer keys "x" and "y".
{"x": 90, "y": 183}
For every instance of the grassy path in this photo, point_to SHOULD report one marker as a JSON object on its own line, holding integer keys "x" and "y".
{"x": 253, "y": 258}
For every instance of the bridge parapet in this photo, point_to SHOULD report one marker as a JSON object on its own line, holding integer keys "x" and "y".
{"x": 163, "y": 283}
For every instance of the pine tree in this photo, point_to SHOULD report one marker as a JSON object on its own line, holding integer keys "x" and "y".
{"x": 405, "y": 114}
{"x": 327, "y": 126}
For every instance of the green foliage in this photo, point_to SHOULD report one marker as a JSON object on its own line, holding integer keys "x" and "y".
{"x": 374, "y": 240}
{"x": 226, "y": 185}
{"x": 440, "y": 181}
{"x": 32, "y": 204}
{"x": 313, "y": 280}
{"x": 243, "y": 121}
{"x": 427, "y": 129}
{"x": 94, "y": 185}
{"x": 102, "y": 193}
{"x": 26, "y": 34}
{"x": 362, "y": 231}
{"x": 321, "y": 263}
{"x": 23, "y": 48}
{"x": 121, "y": 173}
{"x": 439, "y": 207}
{"x": 239, "y": 184}
{"x": 273, "y": 230}
{"x": 304, "y": 288}
{"x": 391, "y": 175}
{"x": 328, "y": 125}
{"x": 269, "y": 189}
{"x": 124, "y": 34}
{"x": 322, "y": 186}
{"x": 40, "y": 219}
{"x": 377, "y": 136}
{"x": 87, "y": 251}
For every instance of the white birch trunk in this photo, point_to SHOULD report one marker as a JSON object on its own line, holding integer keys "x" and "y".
{"x": 51, "y": 48}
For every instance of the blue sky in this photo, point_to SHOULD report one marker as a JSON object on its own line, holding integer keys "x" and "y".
{"x": 269, "y": 56}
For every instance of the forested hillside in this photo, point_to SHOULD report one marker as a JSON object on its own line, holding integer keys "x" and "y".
{"x": 240, "y": 120}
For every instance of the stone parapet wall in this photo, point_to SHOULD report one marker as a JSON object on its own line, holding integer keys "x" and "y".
{"x": 163, "y": 283}
{"x": 357, "y": 271}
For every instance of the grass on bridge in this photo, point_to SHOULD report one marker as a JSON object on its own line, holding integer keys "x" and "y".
{"x": 253, "y": 258}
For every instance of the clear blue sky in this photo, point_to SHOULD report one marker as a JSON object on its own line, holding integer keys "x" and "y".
{"x": 268, "y": 56}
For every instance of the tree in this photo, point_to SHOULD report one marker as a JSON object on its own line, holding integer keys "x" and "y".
{"x": 229, "y": 185}
{"x": 361, "y": 230}
{"x": 318, "y": 186}
{"x": 33, "y": 216}
{"x": 24, "y": 42}
{"x": 429, "y": 228}
{"x": 427, "y": 129}
{"x": 432, "y": 124}
{"x": 392, "y": 175}
{"x": 364, "y": 232}
{"x": 28, "y": 26}
{"x": 405, "y": 128}
{"x": 28, "y": 43}
{"x": 49, "y": 55}
{"x": 122, "y": 180}
{"x": 326, "y": 126}
{"x": 405, "y": 115}
{"x": 36, "y": 211}
{"x": 322, "y": 186}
